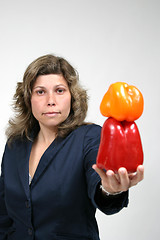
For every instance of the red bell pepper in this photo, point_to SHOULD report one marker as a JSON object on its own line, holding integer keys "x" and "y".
{"x": 120, "y": 146}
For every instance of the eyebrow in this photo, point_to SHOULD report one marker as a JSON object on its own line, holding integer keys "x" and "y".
{"x": 59, "y": 85}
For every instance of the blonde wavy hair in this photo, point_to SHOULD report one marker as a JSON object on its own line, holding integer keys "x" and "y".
{"x": 23, "y": 124}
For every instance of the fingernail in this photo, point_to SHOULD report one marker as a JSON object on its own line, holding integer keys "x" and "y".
{"x": 122, "y": 170}
{"x": 109, "y": 173}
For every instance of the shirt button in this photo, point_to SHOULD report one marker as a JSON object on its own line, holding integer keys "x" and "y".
{"x": 30, "y": 231}
{"x": 27, "y": 204}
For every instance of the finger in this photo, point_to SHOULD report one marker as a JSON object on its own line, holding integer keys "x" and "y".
{"x": 113, "y": 181}
{"x": 138, "y": 176}
{"x": 100, "y": 172}
{"x": 140, "y": 171}
{"x": 124, "y": 179}
{"x": 132, "y": 175}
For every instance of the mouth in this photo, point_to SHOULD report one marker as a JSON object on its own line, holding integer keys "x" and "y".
{"x": 51, "y": 114}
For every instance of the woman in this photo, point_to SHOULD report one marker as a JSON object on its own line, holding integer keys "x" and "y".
{"x": 50, "y": 185}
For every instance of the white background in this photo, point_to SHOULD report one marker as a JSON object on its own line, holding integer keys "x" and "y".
{"x": 106, "y": 41}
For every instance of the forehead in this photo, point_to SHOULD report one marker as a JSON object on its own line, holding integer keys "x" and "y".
{"x": 50, "y": 80}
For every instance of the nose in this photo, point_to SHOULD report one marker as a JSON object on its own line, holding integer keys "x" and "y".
{"x": 51, "y": 100}
{"x": 51, "y": 104}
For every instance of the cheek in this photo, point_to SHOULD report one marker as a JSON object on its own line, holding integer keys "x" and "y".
{"x": 36, "y": 107}
{"x": 67, "y": 105}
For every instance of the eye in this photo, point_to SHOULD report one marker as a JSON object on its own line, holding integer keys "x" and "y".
{"x": 60, "y": 90}
{"x": 40, "y": 92}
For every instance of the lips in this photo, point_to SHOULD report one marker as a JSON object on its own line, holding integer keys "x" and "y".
{"x": 51, "y": 114}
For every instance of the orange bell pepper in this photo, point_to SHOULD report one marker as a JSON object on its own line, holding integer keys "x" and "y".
{"x": 122, "y": 102}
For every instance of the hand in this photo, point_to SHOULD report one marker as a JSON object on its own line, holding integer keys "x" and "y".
{"x": 122, "y": 181}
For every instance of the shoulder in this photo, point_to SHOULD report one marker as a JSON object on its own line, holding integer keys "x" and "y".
{"x": 88, "y": 130}
{"x": 87, "y": 135}
{"x": 84, "y": 135}
{"x": 16, "y": 144}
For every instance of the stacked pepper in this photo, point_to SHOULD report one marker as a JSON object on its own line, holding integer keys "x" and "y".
{"x": 120, "y": 144}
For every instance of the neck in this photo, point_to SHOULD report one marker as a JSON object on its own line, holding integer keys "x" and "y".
{"x": 46, "y": 135}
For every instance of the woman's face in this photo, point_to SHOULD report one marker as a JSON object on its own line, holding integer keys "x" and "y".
{"x": 50, "y": 100}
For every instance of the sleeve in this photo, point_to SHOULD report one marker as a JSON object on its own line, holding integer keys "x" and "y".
{"x": 5, "y": 221}
{"x": 110, "y": 204}
{"x": 107, "y": 204}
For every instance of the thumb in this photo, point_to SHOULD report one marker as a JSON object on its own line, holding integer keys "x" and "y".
{"x": 100, "y": 172}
